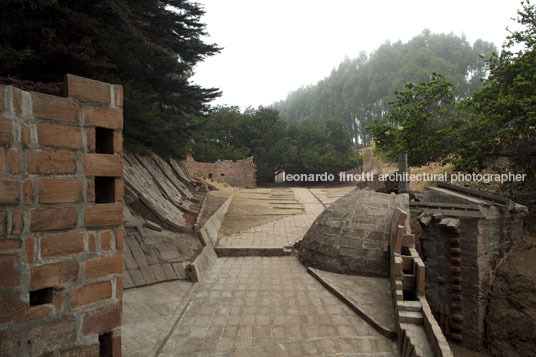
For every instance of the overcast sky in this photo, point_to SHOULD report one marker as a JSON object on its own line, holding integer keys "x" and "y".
{"x": 272, "y": 47}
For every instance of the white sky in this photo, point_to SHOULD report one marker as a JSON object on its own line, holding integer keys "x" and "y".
{"x": 272, "y": 47}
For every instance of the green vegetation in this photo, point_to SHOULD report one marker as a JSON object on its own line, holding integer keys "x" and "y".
{"x": 419, "y": 123}
{"x": 497, "y": 121}
{"x": 231, "y": 134}
{"x": 360, "y": 90}
{"x": 424, "y": 97}
{"x": 150, "y": 47}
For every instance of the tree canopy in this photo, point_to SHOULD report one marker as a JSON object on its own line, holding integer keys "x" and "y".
{"x": 231, "y": 134}
{"x": 150, "y": 47}
{"x": 430, "y": 123}
{"x": 419, "y": 123}
{"x": 360, "y": 89}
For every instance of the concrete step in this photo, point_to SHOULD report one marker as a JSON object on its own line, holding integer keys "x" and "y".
{"x": 252, "y": 251}
{"x": 413, "y": 317}
{"x": 410, "y": 306}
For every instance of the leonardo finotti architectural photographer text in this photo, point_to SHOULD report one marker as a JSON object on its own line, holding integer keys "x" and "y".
{"x": 397, "y": 176}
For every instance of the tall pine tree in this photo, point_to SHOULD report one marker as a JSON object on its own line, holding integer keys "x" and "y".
{"x": 149, "y": 46}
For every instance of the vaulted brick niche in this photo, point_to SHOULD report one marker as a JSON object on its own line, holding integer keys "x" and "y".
{"x": 61, "y": 221}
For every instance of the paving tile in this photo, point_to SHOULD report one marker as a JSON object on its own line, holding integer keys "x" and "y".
{"x": 282, "y": 327}
{"x": 149, "y": 314}
{"x": 282, "y": 232}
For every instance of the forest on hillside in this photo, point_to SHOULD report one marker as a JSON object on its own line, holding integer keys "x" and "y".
{"x": 437, "y": 97}
{"x": 361, "y": 89}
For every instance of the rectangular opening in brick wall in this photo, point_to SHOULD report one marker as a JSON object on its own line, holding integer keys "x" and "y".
{"x": 410, "y": 295}
{"x": 223, "y": 174}
{"x": 105, "y": 345}
{"x": 41, "y": 296}
{"x": 104, "y": 141}
{"x": 104, "y": 189}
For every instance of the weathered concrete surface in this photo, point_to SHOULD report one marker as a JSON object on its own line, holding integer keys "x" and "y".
{"x": 370, "y": 297}
{"x": 283, "y": 231}
{"x": 151, "y": 256}
{"x": 149, "y": 314}
{"x": 352, "y": 235}
{"x": 270, "y": 306}
{"x": 160, "y": 192}
{"x": 163, "y": 205}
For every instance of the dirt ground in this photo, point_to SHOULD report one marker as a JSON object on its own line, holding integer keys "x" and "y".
{"x": 254, "y": 207}
{"x": 214, "y": 200}
{"x": 511, "y": 322}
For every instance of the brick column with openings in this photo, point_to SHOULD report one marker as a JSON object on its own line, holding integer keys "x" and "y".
{"x": 61, "y": 220}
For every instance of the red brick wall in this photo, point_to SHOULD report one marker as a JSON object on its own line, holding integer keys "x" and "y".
{"x": 61, "y": 216}
{"x": 240, "y": 173}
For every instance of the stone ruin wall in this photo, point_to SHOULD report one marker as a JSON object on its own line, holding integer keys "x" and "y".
{"x": 61, "y": 220}
{"x": 240, "y": 173}
{"x": 461, "y": 255}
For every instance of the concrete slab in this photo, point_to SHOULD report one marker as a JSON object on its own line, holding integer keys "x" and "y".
{"x": 270, "y": 306}
{"x": 149, "y": 313}
{"x": 369, "y": 297}
{"x": 282, "y": 231}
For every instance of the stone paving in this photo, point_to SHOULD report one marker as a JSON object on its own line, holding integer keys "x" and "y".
{"x": 370, "y": 295}
{"x": 281, "y": 232}
{"x": 270, "y": 306}
{"x": 251, "y": 306}
{"x": 149, "y": 313}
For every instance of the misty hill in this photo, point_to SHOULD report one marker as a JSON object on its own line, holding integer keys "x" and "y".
{"x": 360, "y": 89}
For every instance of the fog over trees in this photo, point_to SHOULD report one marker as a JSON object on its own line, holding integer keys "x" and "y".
{"x": 360, "y": 90}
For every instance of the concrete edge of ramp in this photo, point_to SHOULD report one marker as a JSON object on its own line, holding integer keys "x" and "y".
{"x": 348, "y": 301}
{"x": 253, "y": 251}
{"x": 208, "y": 235}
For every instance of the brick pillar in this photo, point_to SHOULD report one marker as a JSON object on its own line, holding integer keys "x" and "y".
{"x": 61, "y": 220}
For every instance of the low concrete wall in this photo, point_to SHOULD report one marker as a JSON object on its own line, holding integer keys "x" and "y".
{"x": 208, "y": 234}
{"x": 209, "y": 230}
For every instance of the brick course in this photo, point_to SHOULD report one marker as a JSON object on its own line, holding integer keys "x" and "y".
{"x": 54, "y": 237}
{"x": 60, "y": 190}
{"x": 62, "y": 136}
{"x": 41, "y": 162}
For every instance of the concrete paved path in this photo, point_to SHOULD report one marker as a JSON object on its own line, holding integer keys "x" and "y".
{"x": 149, "y": 313}
{"x": 288, "y": 229}
{"x": 253, "y": 306}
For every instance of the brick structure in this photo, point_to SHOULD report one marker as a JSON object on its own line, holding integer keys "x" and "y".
{"x": 465, "y": 235}
{"x": 61, "y": 219}
{"x": 240, "y": 173}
